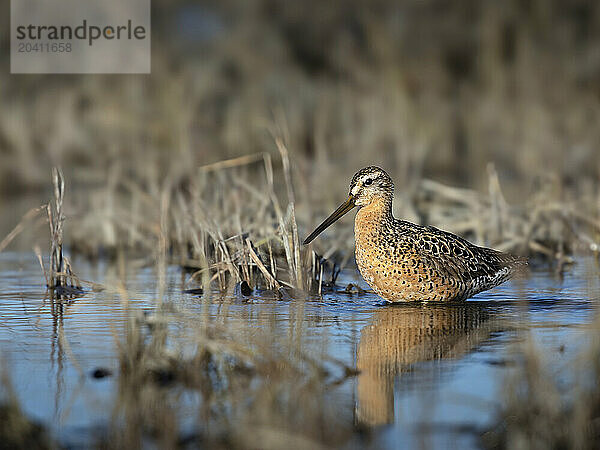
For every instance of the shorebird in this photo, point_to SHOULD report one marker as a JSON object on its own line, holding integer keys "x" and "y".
{"x": 403, "y": 261}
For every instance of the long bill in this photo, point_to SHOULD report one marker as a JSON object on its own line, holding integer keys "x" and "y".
{"x": 342, "y": 209}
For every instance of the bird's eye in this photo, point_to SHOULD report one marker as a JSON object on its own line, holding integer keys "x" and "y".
{"x": 368, "y": 182}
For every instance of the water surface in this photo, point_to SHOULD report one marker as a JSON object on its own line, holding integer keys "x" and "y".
{"x": 428, "y": 374}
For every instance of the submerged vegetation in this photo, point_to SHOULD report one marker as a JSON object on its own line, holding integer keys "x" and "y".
{"x": 244, "y": 137}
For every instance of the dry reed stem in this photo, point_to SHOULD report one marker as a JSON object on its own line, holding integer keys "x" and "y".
{"x": 233, "y": 162}
{"x": 272, "y": 282}
{"x": 38, "y": 254}
{"x": 27, "y": 217}
{"x": 285, "y": 159}
{"x": 163, "y": 242}
{"x": 56, "y": 222}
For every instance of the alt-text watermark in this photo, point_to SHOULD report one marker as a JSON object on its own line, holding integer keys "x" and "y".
{"x": 80, "y": 36}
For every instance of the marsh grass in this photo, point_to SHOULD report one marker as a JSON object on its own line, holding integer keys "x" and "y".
{"x": 226, "y": 223}
{"x": 549, "y": 230}
{"x": 477, "y": 137}
{"x": 220, "y": 235}
{"x": 221, "y": 385}
{"x": 60, "y": 278}
{"x": 248, "y": 389}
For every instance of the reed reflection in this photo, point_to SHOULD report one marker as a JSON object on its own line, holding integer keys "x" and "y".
{"x": 399, "y": 336}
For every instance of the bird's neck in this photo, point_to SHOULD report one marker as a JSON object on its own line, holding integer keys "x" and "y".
{"x": 374, "y": 215}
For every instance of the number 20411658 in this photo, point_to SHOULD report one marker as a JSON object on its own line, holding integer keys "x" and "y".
{"x": 54, "y": 47}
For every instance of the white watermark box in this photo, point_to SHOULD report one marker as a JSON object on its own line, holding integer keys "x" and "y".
{"x": 80, "y": 36}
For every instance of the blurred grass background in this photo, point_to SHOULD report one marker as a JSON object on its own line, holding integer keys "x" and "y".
{"x": 426, "y": 89}
{"x": 430, "y": 88}
{"x": 448, "y": 91}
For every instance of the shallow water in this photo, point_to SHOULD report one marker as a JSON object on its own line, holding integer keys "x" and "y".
{"x": 429, "y": 374}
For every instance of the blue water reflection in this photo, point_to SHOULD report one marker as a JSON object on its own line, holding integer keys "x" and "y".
{"x": 428, "y": 373}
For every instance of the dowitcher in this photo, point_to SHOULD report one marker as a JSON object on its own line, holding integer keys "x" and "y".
{"x": 403, "y": 261}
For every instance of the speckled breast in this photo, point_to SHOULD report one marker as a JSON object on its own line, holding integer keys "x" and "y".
{"x": 391, "y": 265}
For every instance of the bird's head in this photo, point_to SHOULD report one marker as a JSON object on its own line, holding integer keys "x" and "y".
{"x": 368, "y": 185}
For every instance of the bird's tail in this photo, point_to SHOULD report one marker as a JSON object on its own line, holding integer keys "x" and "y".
{"x": 515, "y": 264}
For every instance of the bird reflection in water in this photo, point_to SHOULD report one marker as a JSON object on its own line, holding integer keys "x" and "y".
{"x": 401, "y": 335}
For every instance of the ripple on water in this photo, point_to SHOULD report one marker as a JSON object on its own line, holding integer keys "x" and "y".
{"x": 421, "y": 365}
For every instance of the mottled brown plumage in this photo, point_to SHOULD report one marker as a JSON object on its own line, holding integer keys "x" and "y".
{"x": 403, "y": 261}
